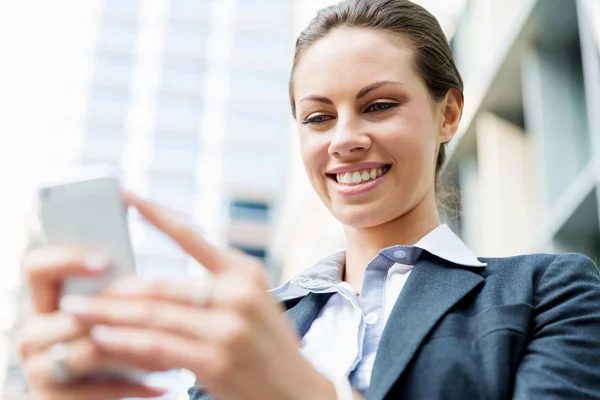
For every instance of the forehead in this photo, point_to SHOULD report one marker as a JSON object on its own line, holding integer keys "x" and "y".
{"x": 353, "y": 57}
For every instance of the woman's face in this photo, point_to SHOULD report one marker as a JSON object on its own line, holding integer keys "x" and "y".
{"x": 369, "y": 131}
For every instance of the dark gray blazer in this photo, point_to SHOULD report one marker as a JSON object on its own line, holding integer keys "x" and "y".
{"x": 524, "y": 327}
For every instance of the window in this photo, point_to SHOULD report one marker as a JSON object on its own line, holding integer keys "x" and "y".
{"x": 178, "y": 152}
{"x": 258, "y": 85}
{"x": 186, "y": 38}
{"x": 198, "y": 10}
{"x": 176, "y": 190}
{"x": 109, "y": 97}
{"x": 257, "y": 125}
{"x": 180, "y": 102}
{"x": 174, "y": 121}
{"x": 179, "y": 111}
{"x": 254, "y": 252}
{"x": 113, "y": 68}
{"x": 182, "y": 73}
{"x": 248, "y": 210}
{"x": 278, "y": 8}
{"x": 178, "y": 144}
{"x": 127, "y": 8}
{"x": 107, "y": 131}
{"x": 103, "y": 143}
{"x": 259, "y": 167}
{"x": 172, "y": 182}
{"x": 118, "y": 34}
{"x": 109, "y": 103}
{"x": 263, "y": 42}
{"x": 276, "y": 14}
{"x": 275, "y": 64}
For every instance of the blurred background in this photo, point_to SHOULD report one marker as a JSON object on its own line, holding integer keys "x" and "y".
{"x": 189, "y": 99}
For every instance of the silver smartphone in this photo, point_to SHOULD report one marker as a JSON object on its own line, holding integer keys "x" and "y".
{"x": 86, "y": 209}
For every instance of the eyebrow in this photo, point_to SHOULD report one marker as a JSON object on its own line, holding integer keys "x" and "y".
{"x": 369, "y": 88}
{"x": 320, "y": 99}
{"x": 362, "y": 92}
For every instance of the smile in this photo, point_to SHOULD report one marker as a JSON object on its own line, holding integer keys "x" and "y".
{"x": 350, "y": 182}
{"x": 358, "y": 177}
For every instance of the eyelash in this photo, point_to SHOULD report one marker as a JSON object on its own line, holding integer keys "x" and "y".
{"x": 313, "y": 120}
{"x": 388, "y": 106}
{"x": 323, "y": 117}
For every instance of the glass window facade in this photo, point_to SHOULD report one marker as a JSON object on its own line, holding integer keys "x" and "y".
{"x": 249, "y": 210}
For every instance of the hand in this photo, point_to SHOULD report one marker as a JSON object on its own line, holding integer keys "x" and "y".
{"x": 45, "y": 269}
{"x": 238, "y": 344}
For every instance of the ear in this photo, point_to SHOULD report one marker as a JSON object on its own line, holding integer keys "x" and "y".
{"x": 451, "y": 112}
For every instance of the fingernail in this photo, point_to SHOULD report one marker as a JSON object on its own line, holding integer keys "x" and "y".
{"x": 103, "y": 334}
{"x": 73, "y": 304}
{"x": 95, "y": 262}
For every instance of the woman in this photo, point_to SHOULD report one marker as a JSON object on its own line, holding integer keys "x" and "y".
{"x": 407, "y": 311}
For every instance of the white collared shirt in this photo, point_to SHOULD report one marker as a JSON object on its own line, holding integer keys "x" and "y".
{"x": 343, "y": 339}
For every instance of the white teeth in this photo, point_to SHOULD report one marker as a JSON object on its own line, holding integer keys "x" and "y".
{"x": 356, "y": 177}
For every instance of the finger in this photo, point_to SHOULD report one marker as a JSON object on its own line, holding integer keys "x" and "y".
{"x": 191, "y": 322}
{"x": 47, "y": 267}
{"x": 84, "y": 359}
{"x": 154, "y": 289}
{"x": 221, "y": 290}
{"x": 233, "y": 292}
{"x": 229, "y": 292}
{"x": 188, "y": 237}
{"x": 110, "y": 390}
{"x": 43, "y": 331}
{"x": 175, "y": 351}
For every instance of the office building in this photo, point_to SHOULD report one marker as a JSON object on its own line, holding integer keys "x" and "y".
{"x": 526, "y": 159}
{"x": 188, "y": 98}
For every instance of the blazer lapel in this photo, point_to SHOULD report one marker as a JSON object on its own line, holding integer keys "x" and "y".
{"x": 303, "y": 312}
{"x": 431, "y": 289}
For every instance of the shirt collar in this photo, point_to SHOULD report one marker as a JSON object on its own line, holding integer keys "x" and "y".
{"x": 445, "y": 244}
{"x": 440, "y": 242}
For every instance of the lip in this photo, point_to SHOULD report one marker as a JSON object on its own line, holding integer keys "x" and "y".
{"x": 361, "y": 188}
{"x": 356, "y": 167}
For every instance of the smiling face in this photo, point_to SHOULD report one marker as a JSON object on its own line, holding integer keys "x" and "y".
{"x": 369, "y": 130}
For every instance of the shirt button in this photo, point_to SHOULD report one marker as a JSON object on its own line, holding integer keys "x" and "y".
{"x": 371, "y": 318}
{"x": 400, "y": 253}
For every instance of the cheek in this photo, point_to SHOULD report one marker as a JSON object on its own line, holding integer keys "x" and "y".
{"x": 412, "y": 145}
{"x": 309, "y": 153}
{"x": 314, "y": 156}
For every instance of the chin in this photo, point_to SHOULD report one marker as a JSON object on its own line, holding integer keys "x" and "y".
{"x": 362, "y": 216}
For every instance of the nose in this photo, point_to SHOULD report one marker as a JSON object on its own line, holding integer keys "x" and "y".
{"x": 349, "y": 140}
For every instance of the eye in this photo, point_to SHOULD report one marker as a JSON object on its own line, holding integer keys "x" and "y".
{"x": 317, "y": 119}
{"x": 381, "y": 106}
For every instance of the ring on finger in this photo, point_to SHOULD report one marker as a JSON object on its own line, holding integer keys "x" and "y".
{"x": 59, "y": 353}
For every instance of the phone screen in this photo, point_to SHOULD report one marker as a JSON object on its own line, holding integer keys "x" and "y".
{"x": 88, "y": 212}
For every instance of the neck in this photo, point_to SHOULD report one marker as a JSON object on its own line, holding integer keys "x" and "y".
{"x": 363, "y": 244}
